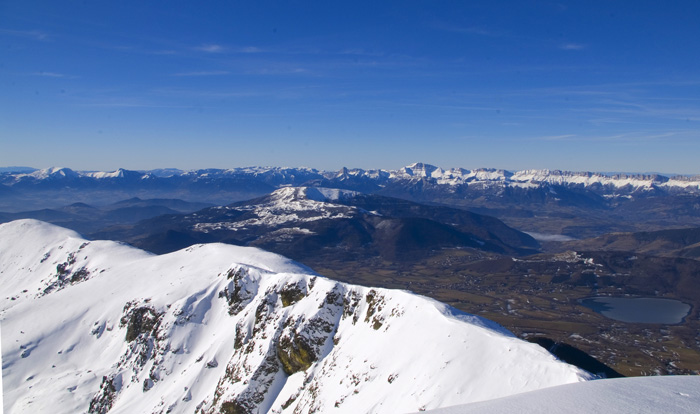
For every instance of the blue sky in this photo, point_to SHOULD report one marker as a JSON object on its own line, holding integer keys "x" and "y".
{"x": 575, "y": 85}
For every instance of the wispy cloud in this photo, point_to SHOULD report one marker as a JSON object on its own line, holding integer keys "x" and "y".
{"x": 163, "y": 52}
{"x": 201, "y": 95}
{"x": 129, "y": 102}
{"x": 171, "y": 93}
{"x": 627, "y": 137}
{"x": 639, "y": 108}
{"x": 648, "y": 103}
{"x": 203, "y": 73}
{"x": 557, "y": 137}
{"x": 473, "y": 30}
{"x": 211, "y": 48}
{"x": 54, "y": 75}
{"x": 455, "y": 107}
{"x": 217, "y": 48}
{"x": 50, "y": 75}
{"x": 634, "y": 137}
{"x": 572, "y": 46}
{"x": 361, "y": 52}
{"x": 277, "y": 71}
{"x": 31, "y": 34}
{"x": 248, "y": 49}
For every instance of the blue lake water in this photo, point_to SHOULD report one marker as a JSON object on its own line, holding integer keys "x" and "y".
{"x": 639, "y": 310}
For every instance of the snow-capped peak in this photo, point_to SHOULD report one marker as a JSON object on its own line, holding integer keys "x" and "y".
{"x": 319, "y": 194}
{"x": 220, "y": 328}
{"x": 287, "y": 194}
{"x": 52, "y": 172}
{"x": 119, "y": 173}
{"x": 284, "y": 206}
{"x": 419, "y": 169}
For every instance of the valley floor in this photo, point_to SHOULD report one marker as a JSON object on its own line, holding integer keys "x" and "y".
{"x": 531, "y": 306}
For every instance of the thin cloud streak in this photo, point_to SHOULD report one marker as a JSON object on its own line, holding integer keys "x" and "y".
{"x": 203, "y": 73}
{"x": 631, "y": 137}
{"x": 211, "y": 94}
{"x": 249, "y": 49}
{"x": 277, "y": 71}
{"x": 557, "y": 137}
{"x": 211, "y": 48}
{"x": 52, "y": 75}
{"x": 474, "y": 30}
{"x": 31, "y": 34}
{"x": 458, "y": 107}
{"x": 134, "y": 104}
{"x": 572, "y": 46}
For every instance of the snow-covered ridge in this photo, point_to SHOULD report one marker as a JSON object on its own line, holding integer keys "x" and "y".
{"x": 457, "y": 176}
{"x": 286, "y": 195}
{"x": 120, "y": 173}
{"x": 220, "y": 328}
{"x": 278, "y": 177}
{"x": 329, "y": 194}
{"x": 53, "y": 172}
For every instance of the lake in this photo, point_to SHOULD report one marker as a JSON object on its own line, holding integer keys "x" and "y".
{"x": 639, "y": 310}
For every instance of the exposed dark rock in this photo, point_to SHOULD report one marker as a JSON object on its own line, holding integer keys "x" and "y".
{"x": 295, "y": 354}
{"x": 291, "y": 294}
{"x": 142, "y": 320}
{"x": 102, "y": 402}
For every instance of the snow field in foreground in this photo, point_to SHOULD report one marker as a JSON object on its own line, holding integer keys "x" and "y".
{"x": 101, "y": 324}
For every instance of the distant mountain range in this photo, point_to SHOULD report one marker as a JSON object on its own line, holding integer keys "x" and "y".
{"x": 264, "y": 178}
{"x": 575, "y": 204}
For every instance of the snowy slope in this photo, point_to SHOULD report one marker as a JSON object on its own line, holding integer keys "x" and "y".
{"x": 102, "y": 327}
{"x": 639, "y": 395}
{"x": 2, "y": 402}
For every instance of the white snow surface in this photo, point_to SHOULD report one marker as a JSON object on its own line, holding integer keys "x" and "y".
{"x": 640, "y": 395}
{"x": 51, "y": 172}
{"x": 119, "y": 173}
{"x": 328, "y": 194}
{"x": 2, "y": 403}
{"x": 100, "y": 326}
